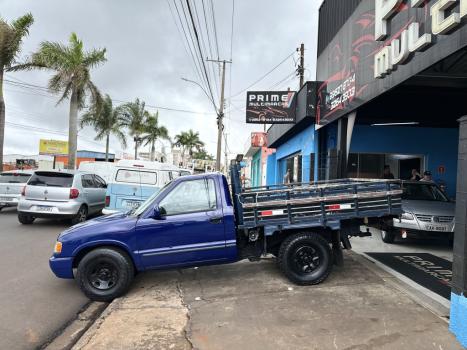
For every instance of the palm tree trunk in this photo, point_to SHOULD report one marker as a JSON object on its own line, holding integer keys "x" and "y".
{"x": 153, "y": 151}
{"x": 107, "y": 142}
{"x": 2, "y": 120}
{"x": 73, "y": 130}
{"x": 136, "y": 146}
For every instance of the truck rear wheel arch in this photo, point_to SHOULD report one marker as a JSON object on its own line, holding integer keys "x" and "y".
{"x": 274, "y": 242}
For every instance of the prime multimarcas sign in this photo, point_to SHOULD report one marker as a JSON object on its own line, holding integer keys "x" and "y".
{"x": 443, "y": 21}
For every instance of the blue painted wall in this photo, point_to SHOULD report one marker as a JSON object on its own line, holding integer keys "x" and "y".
{"x": 458, "y": 320}
{"x": 438, "y": 145}
{"x": 256, "y": 169}
{"x": 303, "y": 143}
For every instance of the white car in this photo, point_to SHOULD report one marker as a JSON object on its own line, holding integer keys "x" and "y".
{"x": 11, "y": 185}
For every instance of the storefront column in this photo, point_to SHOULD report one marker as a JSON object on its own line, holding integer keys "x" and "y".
{"x": 458, "y": 320}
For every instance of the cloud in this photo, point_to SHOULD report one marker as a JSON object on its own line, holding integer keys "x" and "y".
{"x": 147, "y": 58}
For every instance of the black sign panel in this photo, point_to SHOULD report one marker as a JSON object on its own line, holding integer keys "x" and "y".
{"x": 355, "y": 68}
{"x": 271, "y": 107}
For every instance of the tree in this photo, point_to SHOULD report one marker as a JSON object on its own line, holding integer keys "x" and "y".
{"x": 188, "y": 141}
{"x": 153, "y": 132}
{"x": 11, "y": 38}
{"x": 72, "y": 78}
{"x": 203, "y": 155}
{"x": 134, "y": 116}
{"x": 106, "y": 120}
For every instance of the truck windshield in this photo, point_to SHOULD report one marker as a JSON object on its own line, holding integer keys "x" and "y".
{"x": 147, "y": 203}
{"x": 423, "y": 192}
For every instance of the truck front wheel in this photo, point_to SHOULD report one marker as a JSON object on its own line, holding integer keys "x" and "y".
{"x": 105, "y": 274}
{"x": 305, "y": 258}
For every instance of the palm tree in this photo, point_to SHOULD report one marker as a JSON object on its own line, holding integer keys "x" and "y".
{"x": 11, "y": 38}
{"x": 106, "y": 120}
{"x": 153, "y": 132}
{"x": 72, "y": 78}
{"x": 134, "y": 116}
{"x": 188, "y": 141}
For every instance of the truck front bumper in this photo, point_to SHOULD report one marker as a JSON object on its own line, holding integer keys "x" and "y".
{"x": 62, "y": 267}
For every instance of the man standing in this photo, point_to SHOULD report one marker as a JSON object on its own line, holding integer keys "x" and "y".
{"x": 287, "y": 177}
{"x": 427, "y": 176}
{"x": 387, "y": 173}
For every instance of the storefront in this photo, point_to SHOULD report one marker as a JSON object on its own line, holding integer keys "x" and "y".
{"x": 393, "y": 79}
{"x": 392, "y": 83}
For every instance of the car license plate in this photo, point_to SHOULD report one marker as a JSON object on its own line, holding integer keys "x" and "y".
{"x": 44, "y": 208}
{"x": 132, "y": 204}
{"x": 436, "y": 228}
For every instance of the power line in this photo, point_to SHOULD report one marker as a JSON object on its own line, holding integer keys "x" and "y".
{"x": 189, "y": 51}
{"x": 265, "y": 75}
{"x": 199, "y": 47}
{"x": 215, "y": 28}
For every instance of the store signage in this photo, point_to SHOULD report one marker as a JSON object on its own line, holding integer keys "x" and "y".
{"x": 443, "y": 20}
{"x": 266, "y": 107}
{"x": 53, "y": 147}
{"x": 259, "y": 139}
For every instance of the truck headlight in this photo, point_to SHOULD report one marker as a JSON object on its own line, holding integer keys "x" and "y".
{"x": 407, "y": 216}
{"x": 58, "y": 247}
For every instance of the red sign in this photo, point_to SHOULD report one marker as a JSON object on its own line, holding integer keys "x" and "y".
{"x": 259, "y": 139}
{"x": 441, "y": 169}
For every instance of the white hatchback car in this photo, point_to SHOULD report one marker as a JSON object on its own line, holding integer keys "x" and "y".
{"x": 11, "y": 184}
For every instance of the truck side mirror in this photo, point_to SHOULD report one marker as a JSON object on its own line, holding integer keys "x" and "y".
{"x": 158, "y": 213}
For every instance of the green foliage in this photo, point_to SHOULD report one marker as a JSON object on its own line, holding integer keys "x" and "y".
{"x": 11, "y": 38}
{"x": 133, "y": 116}
{"x": 203, "y": 155}
{"x": 105, "y": 119}
{"x": 152, "y": 130}
{"x": 189, "y": 140}
{"x": 71, "y": 65}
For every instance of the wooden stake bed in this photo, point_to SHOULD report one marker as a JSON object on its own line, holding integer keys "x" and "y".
{"x": 318, "y": 203}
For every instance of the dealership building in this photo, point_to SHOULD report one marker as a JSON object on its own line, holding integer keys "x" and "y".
{"x": 391, "y": 90}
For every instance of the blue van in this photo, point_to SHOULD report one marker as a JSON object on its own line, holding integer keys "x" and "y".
{"x": 134, "y": 181}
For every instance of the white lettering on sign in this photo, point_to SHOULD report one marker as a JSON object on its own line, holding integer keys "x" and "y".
{"x": 343, "y": 93}
{"x": 398, "y": 50}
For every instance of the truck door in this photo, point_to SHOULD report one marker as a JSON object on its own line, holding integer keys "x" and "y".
{"x": 191, "y": 231}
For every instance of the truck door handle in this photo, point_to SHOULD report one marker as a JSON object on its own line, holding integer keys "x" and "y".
{"x": 216, "y": 220}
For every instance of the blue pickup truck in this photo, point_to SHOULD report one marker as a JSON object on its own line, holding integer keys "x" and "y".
{"x": 200, "y": 220}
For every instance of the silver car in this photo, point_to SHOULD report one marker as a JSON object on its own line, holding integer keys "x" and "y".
{"x": 61, "y": 195}
{"x": 11, "y": 185}
{"x": 428, "y": 213}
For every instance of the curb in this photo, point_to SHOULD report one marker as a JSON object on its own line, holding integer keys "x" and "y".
{"x": 71, "y": 333}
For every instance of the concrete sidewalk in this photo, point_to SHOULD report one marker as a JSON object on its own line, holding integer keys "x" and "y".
{"x": 252, "y": 306}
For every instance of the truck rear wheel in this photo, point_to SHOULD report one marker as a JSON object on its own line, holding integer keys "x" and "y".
{"x": 305, "y": 258}
{"x": 387, "y": 235}
{"x": 105, "y": 274}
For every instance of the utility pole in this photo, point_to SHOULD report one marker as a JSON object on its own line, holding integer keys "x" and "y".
{"x": 220, "y": 116}
{"x": 301, "y": 67}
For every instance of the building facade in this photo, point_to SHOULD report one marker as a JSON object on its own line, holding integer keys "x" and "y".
{"x": 391, "y": 85}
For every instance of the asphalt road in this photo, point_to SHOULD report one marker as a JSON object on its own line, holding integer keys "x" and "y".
{"x": 34, "y": 304}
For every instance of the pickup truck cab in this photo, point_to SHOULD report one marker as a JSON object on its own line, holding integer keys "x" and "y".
{"x": 193, "y": 221}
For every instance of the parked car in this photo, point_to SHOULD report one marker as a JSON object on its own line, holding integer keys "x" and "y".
{"x": 133, "y": 182}
{"x": 427, "y": 213}
{"x": 103, "y": 169}
{"x": 11, "y": 184}
{"x": 196, "y": 220}
{"x": 61, "y": 195}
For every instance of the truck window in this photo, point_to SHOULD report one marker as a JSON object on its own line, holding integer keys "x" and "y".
{"x": 129, "y": 176}
{"x": 191, "y": 196}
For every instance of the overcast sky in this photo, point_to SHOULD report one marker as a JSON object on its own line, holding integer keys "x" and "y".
{"x": 147, "y": 59}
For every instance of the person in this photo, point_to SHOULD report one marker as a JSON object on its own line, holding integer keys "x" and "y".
{"x": 415, "y": 175}
{"x": 387, "y": 173}
{"x": 287, "y": 177}
{"x": 427, "y": 176}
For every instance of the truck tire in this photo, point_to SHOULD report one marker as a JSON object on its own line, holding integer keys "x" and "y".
{"x": 25, "y": 219}
{"x": 80, "y": 216}
{"x": 388, "y": 236}
{"x": 105, "y": 274}
{"x": 305, "y": 258}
